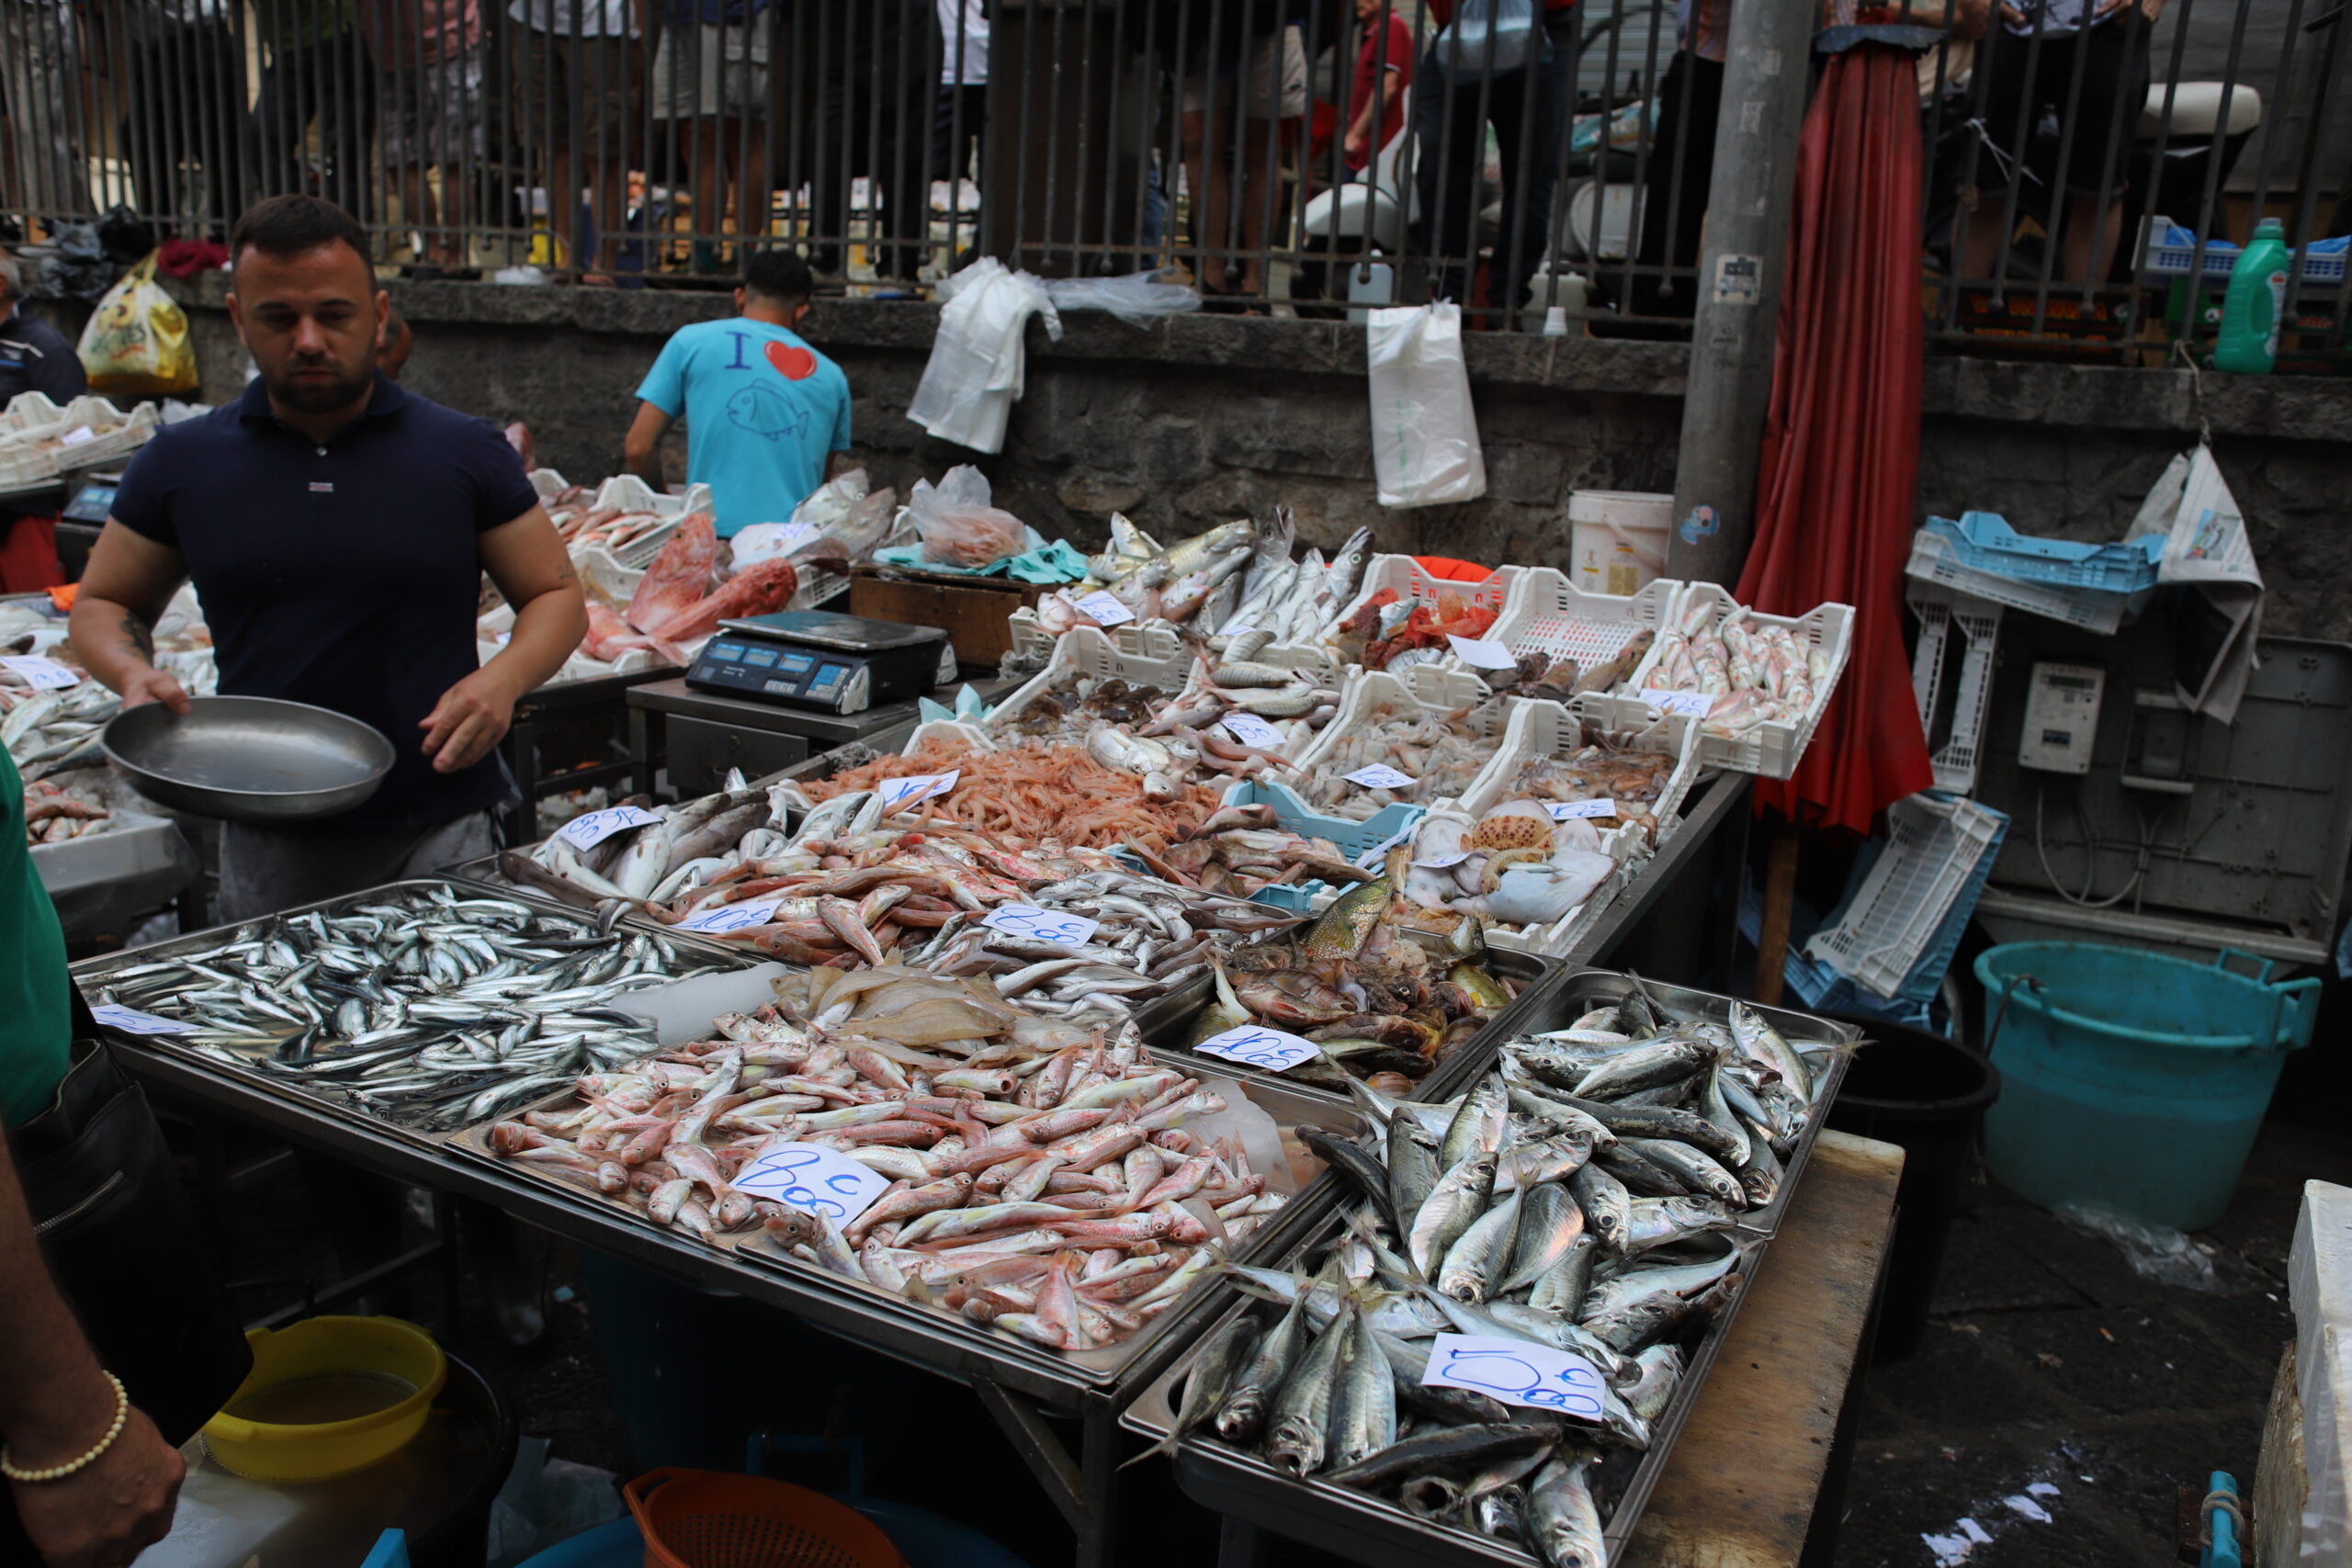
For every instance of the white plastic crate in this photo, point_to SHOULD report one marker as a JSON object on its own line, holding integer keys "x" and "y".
{"x": 1771, "y": 748}
{"x": 548, "y": 482}
{"x": 1430, "y": 687}
{"x": 39, "y": 452}
{"x": 1549, "y": 614}
{"x": 1560, "y": 938}
{"x": 1537, "y": 728}
{"x": 1932, "y": 851}
{"x": 1944, "y": 613}
{"x": 1410, "y": 580}
{"x": 27, "y": 410}
{"x": 1932, "y": 560}
{"x": 1142, "y": 639}
{"x": 1082, "y": 651}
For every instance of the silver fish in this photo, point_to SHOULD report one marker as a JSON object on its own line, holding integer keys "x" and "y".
{"x": 1363, "y": 1401}
{"x": 1453, "y": 1206}
{"x": 1297, "y": 1426}
{"x": 1563, "y": 1519}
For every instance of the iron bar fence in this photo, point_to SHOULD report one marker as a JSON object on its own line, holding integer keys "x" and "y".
{"x": 2089, "y": 160}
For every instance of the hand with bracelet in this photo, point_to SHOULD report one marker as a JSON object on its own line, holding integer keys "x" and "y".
{"x": 92, "y": 1482}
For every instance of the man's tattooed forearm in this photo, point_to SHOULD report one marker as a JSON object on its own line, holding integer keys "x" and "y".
{"x": 138, "y": 636}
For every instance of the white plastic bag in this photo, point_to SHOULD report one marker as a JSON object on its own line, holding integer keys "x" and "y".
{"x": 1139, "y": 299}
{"x": 1487, "y": 38}
{"x": 1424, "y": 432}
{"x": 976, "y": 371}
{"x": 958, "y": 524}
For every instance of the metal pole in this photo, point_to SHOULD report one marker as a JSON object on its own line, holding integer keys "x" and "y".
{"x": 1739, "y": 288}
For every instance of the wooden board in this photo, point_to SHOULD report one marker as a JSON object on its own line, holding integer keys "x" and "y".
{"x": 1740, "y": 1488}
{"x": 974, "y": 612}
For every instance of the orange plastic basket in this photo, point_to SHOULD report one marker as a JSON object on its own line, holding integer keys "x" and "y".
{"x": 707, "y": 1519}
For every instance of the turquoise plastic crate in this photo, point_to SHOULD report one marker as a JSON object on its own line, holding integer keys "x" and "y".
{"x": 1371, "y": 837}
{"x": 1984, "y": 541}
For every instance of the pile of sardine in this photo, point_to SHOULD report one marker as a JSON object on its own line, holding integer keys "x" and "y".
{"x": 661, "y": 861}
{"x": 1042, "y": 1180}
{"x": 428, "y": 1008}
{"x": 1569, "y": 1200}
{"x": 1151, "y": 937}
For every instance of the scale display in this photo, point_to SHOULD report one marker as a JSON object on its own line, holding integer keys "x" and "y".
{"x": 842, "y": 664}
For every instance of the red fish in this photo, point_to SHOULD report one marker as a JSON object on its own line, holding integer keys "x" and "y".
{"x": 753, "y": 591}
{"x": 678, "y": 578}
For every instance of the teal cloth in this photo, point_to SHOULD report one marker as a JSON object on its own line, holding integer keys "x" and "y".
{"x": 1041, "y": 562}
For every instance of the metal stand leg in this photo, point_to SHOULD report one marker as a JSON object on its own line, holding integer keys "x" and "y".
{"x": 522, "y": 760}
{"x": 1238, "y": 1544}
{"x": 641, "y": 750}
{"x": 1085, "y": 1491}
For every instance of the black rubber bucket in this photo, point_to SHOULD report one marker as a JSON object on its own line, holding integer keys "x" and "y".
{"x": 1927, "y": 1094}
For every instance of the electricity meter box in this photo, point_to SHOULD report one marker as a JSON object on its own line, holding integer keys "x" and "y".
{"x": 2246, "y": 826}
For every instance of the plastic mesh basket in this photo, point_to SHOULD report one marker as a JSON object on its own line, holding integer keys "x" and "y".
{"x": 1940, "y": 849}
{"x": 1945, "y": 616}
{"x": 1548, "y": 614}
{"x": 699, "y": 1518}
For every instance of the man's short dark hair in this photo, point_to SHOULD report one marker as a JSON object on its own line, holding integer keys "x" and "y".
{"x": 779, "y": 275}
{"x": 286, "y": 226}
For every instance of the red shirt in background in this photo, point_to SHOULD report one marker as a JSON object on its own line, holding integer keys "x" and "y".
{"x": 1370, "y": 62}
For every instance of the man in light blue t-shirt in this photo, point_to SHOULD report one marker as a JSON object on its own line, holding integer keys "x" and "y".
{"x": 765, "y": 411}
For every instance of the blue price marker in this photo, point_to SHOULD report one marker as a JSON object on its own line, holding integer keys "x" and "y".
{"x": 1518, "y": 1371}
{"x": 813, "y": 1179}
{"x": 1269, "y": 1050}
{"x": 900, "y": 793}
{"x": 1041, "y": 925}
{"x": 741, "y": 916}
{"x": 586, "y": 832}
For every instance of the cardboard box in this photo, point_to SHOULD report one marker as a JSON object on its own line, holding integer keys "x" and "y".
{"x": 975, "y": 612}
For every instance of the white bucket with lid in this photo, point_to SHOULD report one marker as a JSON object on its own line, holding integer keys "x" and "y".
{"x": 1617, "y": 539}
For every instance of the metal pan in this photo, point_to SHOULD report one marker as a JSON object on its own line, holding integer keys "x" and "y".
{"x": 1306, "y": 1214}
{"x": 248, "y": 759}
{"x": 1367, "y": 1530}
{"x": 91, "y": 974}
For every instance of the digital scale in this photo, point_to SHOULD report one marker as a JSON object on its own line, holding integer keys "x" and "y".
{"x": 93, "y": 502}
{"x": 817, "y": 659}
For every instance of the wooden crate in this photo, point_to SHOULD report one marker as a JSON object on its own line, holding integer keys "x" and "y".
{"x": 975, "y": 612}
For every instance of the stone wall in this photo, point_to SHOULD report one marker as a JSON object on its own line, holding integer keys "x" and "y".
{"x": 1204, "y": 418}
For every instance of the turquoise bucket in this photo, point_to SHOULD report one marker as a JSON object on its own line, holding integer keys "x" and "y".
{"x": 2131, "y": 1079}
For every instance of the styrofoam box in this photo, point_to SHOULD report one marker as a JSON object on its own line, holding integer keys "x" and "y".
{"x": 1080, "y": 650}
{"x": 1770, "y": 748}
{"x": 1549, "y": 614}
{"x": 113, "y": 433}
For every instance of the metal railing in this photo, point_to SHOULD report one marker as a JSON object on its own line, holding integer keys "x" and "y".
{"x": 1516, "y": 157}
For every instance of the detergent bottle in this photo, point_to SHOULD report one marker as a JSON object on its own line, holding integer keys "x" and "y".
{"x": 2256, "y": 301}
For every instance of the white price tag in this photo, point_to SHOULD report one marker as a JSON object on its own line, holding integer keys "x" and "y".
{"x": 1480, "y": 653}
{"x": 1581, "y": 810}
{"x": 738, "y": 916}
{"x": 1041, "y": 925}
{"x": 1516, "y": 1372}
{"x": 814, "y": 1181}
{"x": 1251, "y": 730}
{"x": 131, "y": 1020}
{"x": 1697, "y": 704}
{"x": 1104, "y": 608}
{"x": 900, "y": 793}
{"x": 1255, "y": 1047}
{"x": 80, "y": 435}
{"x": 587, "y": 832}
{"x": 41, "y": 674}
{"x": 1456, "y": 858}
{"x": 1378, "y": 777}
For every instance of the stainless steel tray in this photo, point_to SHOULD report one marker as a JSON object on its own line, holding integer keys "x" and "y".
{"x": 91, "y": 975}
{"x": 1582, "y": 990}
{"x": 1363, "y": 1529}
{"x": 1302, "y": 1216}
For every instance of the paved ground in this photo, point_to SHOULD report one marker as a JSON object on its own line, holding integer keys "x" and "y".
{"x": 2048, "y": 1364}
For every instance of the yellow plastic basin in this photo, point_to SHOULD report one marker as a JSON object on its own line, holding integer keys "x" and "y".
{"x": 327, "y": 1396}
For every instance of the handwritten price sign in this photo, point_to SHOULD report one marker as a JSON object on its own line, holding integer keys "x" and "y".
{"x": 1516, "y": 1372}
{"x": 1581, "y": 810}
{"x": 728, "y": 917}
{"x": 587, "y": 832}
{"x": 41, "y": 674}
{"x": 1379, "y": 777}
{"x": 1251, "y": 730}
{"x": 1479, "y": 654}
{"x": 131, "y": 1020}
{"x": 814, "y": 1181}
{"x": 1253, "y": 1047}
{"x": 1103, "y": 609}
{"x": 1697, "y": 704}
{"x": 1370, "y": 860}
{"x": 1041, "y": 925}
{"x": 900, "y": 793}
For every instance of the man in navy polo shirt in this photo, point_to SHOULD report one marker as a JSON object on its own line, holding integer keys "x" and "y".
{"x": 336, "y": 529}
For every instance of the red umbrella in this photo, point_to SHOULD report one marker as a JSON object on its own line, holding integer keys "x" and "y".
{"x": 1840, "y": 459}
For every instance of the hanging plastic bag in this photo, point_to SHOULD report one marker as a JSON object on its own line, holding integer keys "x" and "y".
{"x": 1487, "y": 38}
{"x": 957, "y": 523}
{"x": 136, "y": 344}
{"x": 1424, "y": 432}
{"x": 977, "y": 368}
{"x": 1137, "y": 299}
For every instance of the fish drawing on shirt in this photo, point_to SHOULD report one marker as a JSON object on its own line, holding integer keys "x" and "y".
{"x": 766, "y": 412}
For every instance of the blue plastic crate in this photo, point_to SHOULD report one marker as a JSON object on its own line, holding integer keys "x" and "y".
{"x": 1822, "y": 988}
{"x": 1388, "y": 825}
{"x": 2172, "y": 251}
{"x": 1984, "y": 541}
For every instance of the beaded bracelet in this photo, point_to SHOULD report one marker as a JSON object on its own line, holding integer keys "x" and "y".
{"x": 9, "y": 1468}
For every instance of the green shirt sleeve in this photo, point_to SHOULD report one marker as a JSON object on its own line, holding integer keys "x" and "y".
{"x": 36, "y": 1017}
